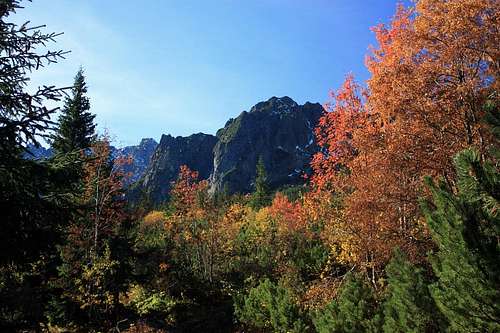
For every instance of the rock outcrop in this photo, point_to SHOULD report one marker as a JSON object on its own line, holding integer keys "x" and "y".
{"x": 141, "y": 156}
{"x": 195, "y": 151}
{"x": 278, "y": 130}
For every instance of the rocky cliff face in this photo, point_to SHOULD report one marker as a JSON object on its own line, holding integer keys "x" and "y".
{"x": 195, "y": 151}
{"x": 279, "y": 130}
{"x": 141, "y": 156}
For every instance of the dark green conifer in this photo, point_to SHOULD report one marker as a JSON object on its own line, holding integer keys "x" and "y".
{"x": 408, "y": 306}
{"x": 75, "y": 126}
{"x": 261, "y": 197}
{"x": 34, "y": 203}
{"x": 354, "y": 309}
{"x": 270, "y": 306}
{"x": 466, "y": 227}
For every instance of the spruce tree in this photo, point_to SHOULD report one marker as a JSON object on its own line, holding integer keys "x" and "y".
{"x": 408, "y": 306}
{"x": 261, "y": 196}
{"x": 466, "y": 227}
{"x": 354, "y": 309}
{"x": 75, "y": 126}
{"x": 33, "y": 201}
{"x": 270, "y": 306}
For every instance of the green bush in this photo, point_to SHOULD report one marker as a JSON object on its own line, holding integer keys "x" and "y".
{"x": 270, "y": 306}
{"x": 464, "y": 223}
{"x": 408, "y": 305}
{"x": 146, "y": 302}
{"x": 354, "y": 309}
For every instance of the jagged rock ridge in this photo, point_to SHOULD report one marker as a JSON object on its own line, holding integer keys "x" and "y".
{"x": 279, "y": 130}
{"x": 141, "y": 156}
{"x": 195, "y": 151}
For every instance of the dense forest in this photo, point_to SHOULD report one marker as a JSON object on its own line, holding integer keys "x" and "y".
{"x": 397, "y": 228}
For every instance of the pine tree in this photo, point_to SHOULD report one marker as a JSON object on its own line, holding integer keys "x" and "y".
{"x": 270, "y": 306}
{"x": 354, "y": 309}
{"x": 261, "y": 196}
{"x": 466, "y": 227}
{"x": 75, "y": 126}
{"x": 408, "y": 306}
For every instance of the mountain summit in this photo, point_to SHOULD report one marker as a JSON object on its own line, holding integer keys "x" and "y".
{"x": 279, "y": 130}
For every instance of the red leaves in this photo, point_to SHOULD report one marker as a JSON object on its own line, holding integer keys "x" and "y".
{"x": 289, "y": 215}
{"x": 186, "y": 189}
{"x": 431, "y": 73}
{"x": 344, "y": 115}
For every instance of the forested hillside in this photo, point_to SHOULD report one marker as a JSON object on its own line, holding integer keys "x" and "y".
{"x": 393, "y": 227}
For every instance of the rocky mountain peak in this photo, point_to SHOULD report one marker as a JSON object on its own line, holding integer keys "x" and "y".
{"x": 278, "y": 130}
{"x": 195, "y": 151}
{"x": 146, "y": 142}
{"x": 275, "y": 105}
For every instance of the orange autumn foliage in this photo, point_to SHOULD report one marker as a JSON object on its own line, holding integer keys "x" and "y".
{"x": 186, "y": 194}
{"x": 154, "y": 218}
{"x": 288, "y": 215}
{"x": 196, "y": 224}
{"x": 431, "y": 74}
{"x": 103, "y": 190}
{"x": 344, "y": 115}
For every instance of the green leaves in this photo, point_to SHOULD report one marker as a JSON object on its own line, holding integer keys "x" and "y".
{"x": 408, "y": 306}
{"x": 261, "y": 197}
{"x": 353, "y": 310}
{"x": 465, "y": 227}
{"x": 270, "y": 306}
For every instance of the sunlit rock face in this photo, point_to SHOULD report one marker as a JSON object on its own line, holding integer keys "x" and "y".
{"x": 195, "y": 151}
{"x": 278, "y": 130}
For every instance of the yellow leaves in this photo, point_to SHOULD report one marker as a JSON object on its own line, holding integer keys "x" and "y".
{"x": 235, "y": 215}
{"x": 93, "y": 285}
{"x": 234, "y": 218}
{"x": 154, "y": 218}
{"x": 263, "y": 220}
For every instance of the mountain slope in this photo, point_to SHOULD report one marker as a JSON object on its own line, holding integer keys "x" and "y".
{"x": 195, "y": 151}
{"x": 279, "y": 130}
{"x": 141, "y": 156}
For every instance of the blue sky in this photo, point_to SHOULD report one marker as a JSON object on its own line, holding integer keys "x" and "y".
{"x": 185, "y": 66}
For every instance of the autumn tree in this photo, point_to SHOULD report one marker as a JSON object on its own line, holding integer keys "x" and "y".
{"x": 193, "y": 222}
{"x": 431, "y": 73}
{"x": 344, "y": 115}
{"x": 344, "y": 174}
{"x": 89, "y": 276}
